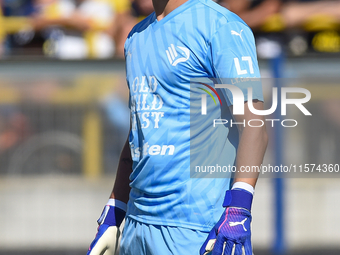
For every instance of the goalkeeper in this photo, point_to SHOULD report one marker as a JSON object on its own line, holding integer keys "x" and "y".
{"x": 166, "y": 211}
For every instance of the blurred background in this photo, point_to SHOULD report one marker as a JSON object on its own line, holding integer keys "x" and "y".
{"x": 64, "y": 119}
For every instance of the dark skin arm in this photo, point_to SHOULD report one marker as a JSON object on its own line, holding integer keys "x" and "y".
{"x": 121, "y": 188}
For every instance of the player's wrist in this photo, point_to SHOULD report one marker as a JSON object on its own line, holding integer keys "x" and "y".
{"x": 113, "y": 214}
{"x": 244, "y": 186}
{"x": 238, "y": 197}
{"x": 117, "y": 203}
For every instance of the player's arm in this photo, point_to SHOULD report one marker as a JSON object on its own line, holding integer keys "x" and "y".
{"x": 252, "y": 145}
{"x": 121, "y": 187}
{"x": 232, "y": 234}
{"x": 108, "y": 236}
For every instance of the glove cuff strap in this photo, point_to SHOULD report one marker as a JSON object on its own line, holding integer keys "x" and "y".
{"x": 113, "y": 213}
{"x": 117, "y": 203}
{"x": 238, "y": 198}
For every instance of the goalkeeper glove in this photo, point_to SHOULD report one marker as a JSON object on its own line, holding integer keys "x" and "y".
{"x": 107, "y": 239}
{"x": 232, "y": 235}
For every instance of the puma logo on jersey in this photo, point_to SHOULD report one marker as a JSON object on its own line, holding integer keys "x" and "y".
{"x": 237, "y": 34}
{"x": 174, "y": 57}
{"x": 232, "y": 224}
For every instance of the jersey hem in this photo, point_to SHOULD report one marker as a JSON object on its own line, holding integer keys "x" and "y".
{"x": 172, "y": 224}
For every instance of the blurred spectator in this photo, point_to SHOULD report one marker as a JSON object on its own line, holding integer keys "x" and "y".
{"x": 75, "y": 29}
{"x": 293, "y": 13}
{"x": 24, "y": 35}
{"x": 2, "y": 32}
{"x": 18, "y": 7}
{"x": 254, "y": 12}
{"x": 300, "y": 18}
{"x": 14, "y": 128}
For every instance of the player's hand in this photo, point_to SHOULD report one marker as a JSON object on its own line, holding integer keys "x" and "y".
{"x": 107, "y": 239}
{"x": 232, "y": 235}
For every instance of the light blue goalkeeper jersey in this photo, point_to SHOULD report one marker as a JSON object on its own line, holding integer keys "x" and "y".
{"x": 199, "y": 39}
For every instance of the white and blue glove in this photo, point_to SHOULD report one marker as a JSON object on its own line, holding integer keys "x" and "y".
{"x": 107, "y": 239}
{"x": 232, "y": 235}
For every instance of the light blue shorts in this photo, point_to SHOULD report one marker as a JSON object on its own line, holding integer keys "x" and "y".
{"x": 145, "y": 239}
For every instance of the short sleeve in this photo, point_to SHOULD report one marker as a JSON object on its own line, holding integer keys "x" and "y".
{"x": 233, "y": 59}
